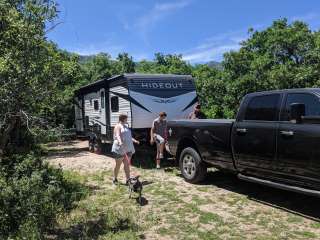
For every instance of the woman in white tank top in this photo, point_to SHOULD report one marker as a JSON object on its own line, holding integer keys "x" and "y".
{"x": 122, "y": 147}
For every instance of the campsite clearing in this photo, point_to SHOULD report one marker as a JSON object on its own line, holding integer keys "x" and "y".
{"x": 222, "y": 207}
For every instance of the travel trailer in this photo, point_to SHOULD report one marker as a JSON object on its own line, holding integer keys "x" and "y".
{"x": 140, "y": 96}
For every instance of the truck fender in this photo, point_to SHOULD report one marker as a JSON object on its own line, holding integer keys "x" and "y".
{"x": 184, "y": 143}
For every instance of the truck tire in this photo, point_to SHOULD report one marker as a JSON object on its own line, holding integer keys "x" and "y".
{"x": 192, "y": 168}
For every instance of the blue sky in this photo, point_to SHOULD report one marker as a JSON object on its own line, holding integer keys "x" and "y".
{"x": 201, "y": 30}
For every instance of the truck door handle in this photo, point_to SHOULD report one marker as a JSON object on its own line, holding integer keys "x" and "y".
{"x": 241, "y": 130}
{"x": 287, "y": 133}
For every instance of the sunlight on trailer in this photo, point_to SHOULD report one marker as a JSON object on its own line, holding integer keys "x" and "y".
{"x": 140, "y": 96}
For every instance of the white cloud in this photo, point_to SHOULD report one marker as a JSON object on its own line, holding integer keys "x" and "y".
{"x": 209, "y": 54}
{"x": 306, "y": 17}
{"x": 311, "y": 18}
{"x": 158, "y": 12}
{"x": 140, "y": 21}
{"x": 106, "y": 47}
{"x": 213, "y": 48}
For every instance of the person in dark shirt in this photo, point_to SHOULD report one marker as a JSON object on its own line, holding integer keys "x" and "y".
{"x": 158, "y": 134}
{"x": 197, "y": 113}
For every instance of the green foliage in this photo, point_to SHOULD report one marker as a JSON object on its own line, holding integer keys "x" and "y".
{"x": 165, "y": 64}
{"x": 102, "y": 66}
{"x": 64, "y": 72}
{"x": 125, "y": 63}
{"x": 32, "y": 195}
{"x": 23, "y": 54}
{"x": 57, "y": 134}
{"x": 211, "y": 90}
{"x": 281, "y": 56}
{"x": 98, "y": 67}
{"x": 33, "y": 73}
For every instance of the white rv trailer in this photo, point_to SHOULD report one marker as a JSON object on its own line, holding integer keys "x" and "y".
{"x": 140, "y": 96}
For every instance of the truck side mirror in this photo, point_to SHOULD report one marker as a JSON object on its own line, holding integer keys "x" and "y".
{"x": 297, "y": 110}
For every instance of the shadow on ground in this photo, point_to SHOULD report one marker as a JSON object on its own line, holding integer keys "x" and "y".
{"x": 296, "y": 203}
{"x": 143, "y": 158}
{"x": 93, "y": 229}
{"x": 143, "y": 201}
{"x": 67, "y": 152}
{"x": 65, "y": 143}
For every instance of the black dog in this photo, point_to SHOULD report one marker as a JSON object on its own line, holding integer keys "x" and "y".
{"x": 135, "y": 186}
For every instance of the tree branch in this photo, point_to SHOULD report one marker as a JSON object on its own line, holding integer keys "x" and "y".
{"x": 53, "y": 27}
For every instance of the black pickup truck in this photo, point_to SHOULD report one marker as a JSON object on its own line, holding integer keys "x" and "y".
{"x": 274, "y": 140}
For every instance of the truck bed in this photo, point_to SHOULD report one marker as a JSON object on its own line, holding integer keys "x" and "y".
{"x": 212, "y": 137}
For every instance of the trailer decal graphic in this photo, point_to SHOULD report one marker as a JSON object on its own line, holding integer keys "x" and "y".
{"x": 191, "y": 103}
{"x": 164, "y": 100}
{"x": 130, "y": 99}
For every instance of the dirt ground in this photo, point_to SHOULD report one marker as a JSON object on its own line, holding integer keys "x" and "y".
{"x": 222, "y": 207}
{"x": 75, "y": 156}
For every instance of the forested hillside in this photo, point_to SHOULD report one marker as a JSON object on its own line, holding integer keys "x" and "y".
{"x": 38, "y": 80}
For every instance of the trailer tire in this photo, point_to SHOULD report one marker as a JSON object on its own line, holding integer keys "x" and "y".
{"x": 92, "y": 145}
{"x": 192, "y": 168}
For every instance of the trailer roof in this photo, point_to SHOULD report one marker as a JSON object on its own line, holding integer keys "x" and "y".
{"x": 149, "y": 76}
{"x": 128, "y": 76}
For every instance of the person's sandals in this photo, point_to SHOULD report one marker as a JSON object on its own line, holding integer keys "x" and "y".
{"x": 161, "y": 159}
{"x": 157, "y": 165}
{"x": 114, "y": 181}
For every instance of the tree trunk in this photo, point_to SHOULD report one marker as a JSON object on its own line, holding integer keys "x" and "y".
{"x": 6, "y": 133}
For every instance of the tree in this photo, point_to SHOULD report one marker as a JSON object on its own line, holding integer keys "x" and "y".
{"x": 35, "y": 77}
{"x": 66, "y": 75}
{"x": 281, "y": 56}
{"x": 170, "y": 63}
{"x": 211, "y": 89}
{"x": 98, "y": 67}
{"x": 126, "y": 64}
{"x": 23, "y": 58}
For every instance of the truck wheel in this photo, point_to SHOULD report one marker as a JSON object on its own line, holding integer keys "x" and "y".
{"x": 192, "y": 168}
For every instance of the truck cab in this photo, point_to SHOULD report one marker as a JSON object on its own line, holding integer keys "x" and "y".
{"x": 276, "y": 135}
{"x": 274, "y": 140}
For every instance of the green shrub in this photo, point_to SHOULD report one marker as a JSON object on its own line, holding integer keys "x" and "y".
{"x": 46, "y": 136}
{"x": 31, "y": 195}
{"x": 57, "y": 134}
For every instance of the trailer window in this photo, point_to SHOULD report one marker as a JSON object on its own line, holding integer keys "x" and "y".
{"x": 102, "y": 100}
{"x": 263, "y": 108}
{"x": 96, "y": 105}
{"x": 86, "y": 122}
{"x": 114, "y": 104}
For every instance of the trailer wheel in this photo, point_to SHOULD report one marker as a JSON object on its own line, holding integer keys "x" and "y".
{"x": 92, "y": 145}
{"x": 192, "y": 168}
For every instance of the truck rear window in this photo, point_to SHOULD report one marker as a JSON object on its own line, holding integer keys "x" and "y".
{"x": 263, "y": 108}
{"x": 311, "y": 102}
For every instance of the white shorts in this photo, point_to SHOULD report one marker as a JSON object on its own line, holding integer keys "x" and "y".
{"x": 158, "y": 139}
